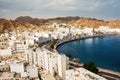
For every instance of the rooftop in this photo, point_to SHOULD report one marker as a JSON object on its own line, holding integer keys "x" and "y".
{"x": 46, "y": 76}
{"x": 82, "y": 74}
{"x": 7, "y": 74}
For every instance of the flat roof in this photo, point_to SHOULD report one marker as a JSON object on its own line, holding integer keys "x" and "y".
{"x": 81, "y": 73}
{"x": 7, "y": 74}
{"x": 46, "y": 76}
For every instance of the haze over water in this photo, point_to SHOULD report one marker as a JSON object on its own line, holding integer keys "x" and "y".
{"x": 104, "y": 51}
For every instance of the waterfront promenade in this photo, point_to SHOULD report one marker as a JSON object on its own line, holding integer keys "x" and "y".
{"x": 109, "y": 74}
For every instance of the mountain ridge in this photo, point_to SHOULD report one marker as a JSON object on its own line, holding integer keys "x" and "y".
{"x": 23, "y": 22}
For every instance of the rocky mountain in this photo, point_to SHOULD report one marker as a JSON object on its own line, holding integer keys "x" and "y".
{"x": 31, "y": 20}
{"x": 114, "y": 24}
{"x": 9, "y": 25}
{"x": 89, "y": 22}
{"x": 25, "y": 22}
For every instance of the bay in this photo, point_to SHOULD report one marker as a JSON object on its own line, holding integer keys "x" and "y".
{"x": 103, "y": 51}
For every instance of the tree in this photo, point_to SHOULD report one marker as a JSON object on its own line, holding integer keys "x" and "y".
{"x": 90, "y": 66}
{"x": 68, "y": 55}
{"x": 40, "y": 44}
{"x": 53, "y": 43}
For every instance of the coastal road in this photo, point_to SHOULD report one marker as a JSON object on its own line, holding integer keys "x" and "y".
{"x": 108, "y": 74}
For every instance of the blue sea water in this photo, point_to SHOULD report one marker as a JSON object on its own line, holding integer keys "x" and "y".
{"x": 103, "y": 51}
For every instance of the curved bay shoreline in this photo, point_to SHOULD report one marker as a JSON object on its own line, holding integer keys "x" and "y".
{"x": 66, "y": 41}
{"x": 104, "y": 72}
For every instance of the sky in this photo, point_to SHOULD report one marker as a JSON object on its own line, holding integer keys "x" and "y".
{"x": 100, "y": 9}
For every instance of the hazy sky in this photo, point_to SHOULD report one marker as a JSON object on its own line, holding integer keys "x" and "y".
{"x": 102, "y": 9}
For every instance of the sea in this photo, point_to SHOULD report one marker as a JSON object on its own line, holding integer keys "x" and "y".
{"x": 103, "y": 51}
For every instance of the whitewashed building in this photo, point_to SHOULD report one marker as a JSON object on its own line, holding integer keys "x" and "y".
{"x": 20, "y": 47}
{"x": 17, "y": 67}
{"x": 6, "y": 52}
{"x": 82, "y": 74}
{"x": 32, "y": 71}
{"x": 62, "y": 66}
{"x": 50, "y": 62}
{"x": 31, "y": 57}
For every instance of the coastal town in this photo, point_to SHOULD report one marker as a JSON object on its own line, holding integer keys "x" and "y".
{"x": 26, "y": 54}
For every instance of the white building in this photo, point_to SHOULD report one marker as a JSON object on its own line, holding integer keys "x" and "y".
{"x": 36, "y": 57}
{"x": 62, "y": 66}
{"x": 82, "y": 74}
{"x": 31, "y": 57}
{"x": 104, "y": 29}
{"x": 32, "y": 71}
{"x": 40, "y": 57}
{"x": 50, "y": 62}
{"x": 6, "y": 52}
{"x": 3, "y": 41}
{"x": 87, "y": 31}
{"x": 17, "y": 67}
{"x": 20, "y": 47}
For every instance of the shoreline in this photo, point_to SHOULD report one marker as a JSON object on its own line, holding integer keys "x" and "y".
{"x": 109, "y": 71}
{"x": 67, "y": 41}
{"x": 102, "y": 70}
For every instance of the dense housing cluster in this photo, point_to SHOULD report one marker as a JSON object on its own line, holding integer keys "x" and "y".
{"x": 21, "y": 58}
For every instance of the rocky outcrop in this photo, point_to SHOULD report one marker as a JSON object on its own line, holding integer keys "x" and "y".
{"x": 9, "y": 25}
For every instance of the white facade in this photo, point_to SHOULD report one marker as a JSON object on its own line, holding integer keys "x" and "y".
{"x": 82, "y": 74}
{"x": 44, "y": 59}
{"x": 17, "y": 67}
{"x": 41, "y": 57}
{"x": 36, "y": 57}
{"x": 32, "y": 71}
{"x": 103, "y": 29}
{"x": 50, "y": 62}
{"x": 62, "y": 66}
{"x": 21, "y": 47}
{"x": 5, "y": 52}
{"x": 3, "y": 41}
{"x": 31, "y": 57}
